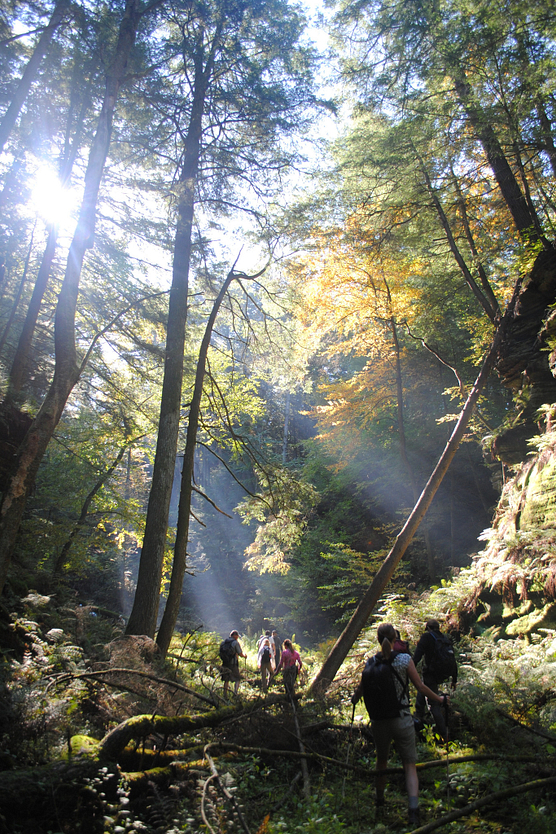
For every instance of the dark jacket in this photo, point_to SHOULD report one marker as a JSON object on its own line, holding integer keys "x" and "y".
{"x": 425, "y": 648}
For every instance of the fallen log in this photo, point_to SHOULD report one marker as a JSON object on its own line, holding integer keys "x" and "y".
{"x": 140, "y": 726}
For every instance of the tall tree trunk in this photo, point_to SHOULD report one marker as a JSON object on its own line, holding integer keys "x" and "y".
{"x": 11, "y": 114}
{"x": 524, "y": 216}
{"x": 144, "y": 614}
{"x": 363, "y": 611}
{"x": 67, "y": 370}
{"x": 20, "y": 363}
{"x": 172, "y": 607}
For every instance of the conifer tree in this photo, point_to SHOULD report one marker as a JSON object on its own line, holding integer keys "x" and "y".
{"x": 243, "y": 81}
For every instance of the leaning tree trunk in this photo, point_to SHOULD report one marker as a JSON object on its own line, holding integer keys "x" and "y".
{"x": 361, "y": 614}
{"x": 67, "y": 369}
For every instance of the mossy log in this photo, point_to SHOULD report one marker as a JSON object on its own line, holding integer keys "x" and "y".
{"x": 141, "y": 726}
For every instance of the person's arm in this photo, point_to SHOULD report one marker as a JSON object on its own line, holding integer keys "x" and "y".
{"x": 357, "y": 694}
{"x": 418, "y": 684}
{"x": 421, "y": 649}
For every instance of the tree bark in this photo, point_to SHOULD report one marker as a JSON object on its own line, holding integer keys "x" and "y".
{"x": 144, "y": 614}
{"x": 67, "y": 369}
{"x": 172, "y": 607}
{"x": 524, "y": 216}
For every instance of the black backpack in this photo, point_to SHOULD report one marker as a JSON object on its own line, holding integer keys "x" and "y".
{"x": 443, "y": 661}
{"x": 227, "y": 651}
{"x": 265, "y": 655}
{"x": 379, "y": 688}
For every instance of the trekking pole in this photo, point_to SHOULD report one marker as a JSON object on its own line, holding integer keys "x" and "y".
{"x": 446, "y": 716}
{"x": 348, "y": 751}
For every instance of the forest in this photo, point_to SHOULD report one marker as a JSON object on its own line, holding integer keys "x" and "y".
{"x": 277, "y": 352}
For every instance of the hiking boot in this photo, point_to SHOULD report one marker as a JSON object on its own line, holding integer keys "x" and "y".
{"x": 414, "y": 817}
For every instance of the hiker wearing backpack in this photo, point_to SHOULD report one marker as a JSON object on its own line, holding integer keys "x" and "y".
{"x": 290, "y": 663}
{"x": 265, "y": 662}
{"x": 230, "y": 651}
{"x": 439, "y": 665}
{"x": 385, "y": 689}
{"x": 262, "y": 638}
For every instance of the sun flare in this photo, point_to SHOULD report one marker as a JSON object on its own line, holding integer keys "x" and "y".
{"x": 52, "y": 202}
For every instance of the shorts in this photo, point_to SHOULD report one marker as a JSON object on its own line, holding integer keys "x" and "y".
{"x": 230, "y": 673}
{"x": 399, "y": 730}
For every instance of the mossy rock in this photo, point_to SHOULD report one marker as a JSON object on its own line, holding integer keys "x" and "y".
{"x": 539, "y": 510}
{"x": 509, "y": 610}
{"x": 84, "y": 746}
{"x": 533, "y": 620}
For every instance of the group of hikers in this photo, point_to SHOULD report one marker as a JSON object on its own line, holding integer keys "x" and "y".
{"x": 384, "y": 687}
{"x": 271, "y": 659}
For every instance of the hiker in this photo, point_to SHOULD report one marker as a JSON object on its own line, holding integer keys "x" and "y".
{"x": 230, "y": 652}
{"x": 439, "y": 665}
{"x": 290, "y": 662}
{"x": 275, "y": 640}
{"x": 385, "y": 689}
{"x": 265, "y": 662}
{"x": 262, "y": 638}
{"x": 400, "y": 645}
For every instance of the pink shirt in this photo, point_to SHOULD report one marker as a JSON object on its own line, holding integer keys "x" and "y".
{"x": 289, "y": 658}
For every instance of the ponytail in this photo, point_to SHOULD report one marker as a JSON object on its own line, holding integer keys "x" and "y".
{"x": 386, "y": 648}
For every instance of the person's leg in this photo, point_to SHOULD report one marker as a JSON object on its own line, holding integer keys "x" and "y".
{"x": 265, "y": 676}
{"x": 236, "y": 677}
{"x": 382, "y": 738}
{"x": 436, "y": 709}
{"x": 420, "y": 706}
{"x": 412, "y": 786}
{"x": 289, "y": 680}
{"x": 411, "y": 781}
{"x": 404, "y": 738}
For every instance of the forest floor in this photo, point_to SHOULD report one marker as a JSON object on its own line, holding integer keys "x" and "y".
{"x": 98, "y": 735}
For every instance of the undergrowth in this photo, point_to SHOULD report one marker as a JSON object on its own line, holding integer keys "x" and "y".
{"x": 502, "y": 715}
